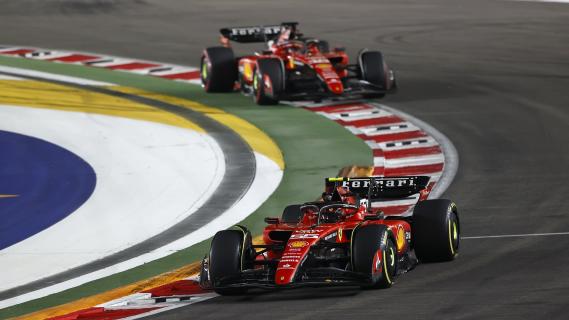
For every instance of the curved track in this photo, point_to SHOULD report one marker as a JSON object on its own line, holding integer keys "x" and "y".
{"x": 239, "y": 174}
{"x": 491, "y": 75}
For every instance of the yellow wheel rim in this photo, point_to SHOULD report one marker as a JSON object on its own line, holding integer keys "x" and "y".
{"x": 204, "y": 70}
{"x": 452, "y": 235}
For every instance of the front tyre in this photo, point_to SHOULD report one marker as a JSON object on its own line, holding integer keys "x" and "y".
{"x": 228, "y": 256}
{"x": 374, "y": 254}
{"x": 269, "y": 81}
{"x": 374, "y": 70}
{"x": 436, "y": 230}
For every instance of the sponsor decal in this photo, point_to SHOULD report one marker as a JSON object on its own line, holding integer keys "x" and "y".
{"x": 324, "y": 66}
{"x": 247, "y": 31}
{"x": 318, "y": 61}
{"x": 400, "y": 238}
{"x": 308, "y": 231}
{"x": 268, "y": 85}
{"x": 331, "y": 235}
{"x": 340, "y": 234}
{"x": 391, "y": 183}
{"x": 304, "y": 236}
{"x": 247, "y": 71}
{"x": 384, "y": 239}
{"x": 298, "y": 244}
{"x": 407, "y": 235}
{"x": 377, "y": 264}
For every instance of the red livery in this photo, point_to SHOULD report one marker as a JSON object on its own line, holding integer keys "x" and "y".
{"x": 292, "y": 67}
{"x": 340, "y": 240}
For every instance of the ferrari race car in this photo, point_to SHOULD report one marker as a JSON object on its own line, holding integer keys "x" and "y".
{"x": 340, "y": 240}
{"x": 292, "y": 67}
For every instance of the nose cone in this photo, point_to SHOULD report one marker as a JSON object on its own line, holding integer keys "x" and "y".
{"x": 336, "y": 87}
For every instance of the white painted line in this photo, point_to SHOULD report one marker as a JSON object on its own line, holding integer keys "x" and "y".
{"x": 387, "y": 146}
{"x": 52, "y": 76}
{"x": 378, "y": 161}
{"x": 414, "y": 161}
{"x": 43, "y": 55}
{"x": 522, "y": 235}
{"x": 374, "y": 131}
{"x": 195, "y": 81}
{"x": 5, "y": 77}
{"x": 553, "y": 1}
{"x": 354, "y": 116}
{"x": 171, "y": 306}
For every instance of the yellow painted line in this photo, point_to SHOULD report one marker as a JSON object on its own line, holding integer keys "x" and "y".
{"x": 45, "y": 95}
{"x": 255, "y": 137}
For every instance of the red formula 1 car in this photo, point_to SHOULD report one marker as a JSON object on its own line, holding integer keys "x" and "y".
{"x": 292, "y": 67}
{"x": 341, "y": 240}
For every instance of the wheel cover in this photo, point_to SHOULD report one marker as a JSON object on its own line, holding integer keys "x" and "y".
{"x": 256, "y": 82}
{"x": 204, "y": 69}
{"x": 453, "y": 236}
{"x": 388, "y": 268}
{"x": 391, "y": 256}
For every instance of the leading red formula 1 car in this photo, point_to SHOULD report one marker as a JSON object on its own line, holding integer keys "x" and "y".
{"x": 292, "y": 67}
{"x": 341, "y": 240}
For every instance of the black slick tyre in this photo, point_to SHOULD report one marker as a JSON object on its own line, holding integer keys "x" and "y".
{"x": 269, "y": 81}
{"x": 228, "y": 256}
{"x": 218, "y": 69}
{"x": 374, "y": 254}
{"x": 373, "y": 70}
{"x": 436, "y": 230}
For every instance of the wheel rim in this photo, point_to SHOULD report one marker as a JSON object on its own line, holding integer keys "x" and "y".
{"x": 204, "y": 70}
{"x": 388, "y": 262}
{"x": 453, "y": 235}
{"x": 256, "y": 82}
{"x": 391, "y": 257}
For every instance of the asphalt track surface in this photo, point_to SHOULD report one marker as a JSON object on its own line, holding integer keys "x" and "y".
{"x": 490, "y": 75}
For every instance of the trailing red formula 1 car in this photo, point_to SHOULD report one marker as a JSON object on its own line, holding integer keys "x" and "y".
{"x": 292, "y": 67}
{"x": 341, "y": 240}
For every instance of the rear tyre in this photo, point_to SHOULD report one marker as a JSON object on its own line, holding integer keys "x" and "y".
{"x": 269, "y": 81}
{"x": 374, "y": 70}
{"x": 228, "y": 256}
{"x": 374, "y": 254}
{"x": 436, "y": 230}
{"x": 218, "y": 69}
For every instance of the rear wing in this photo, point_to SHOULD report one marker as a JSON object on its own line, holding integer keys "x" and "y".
{"x": 258, "y": 33}
{"x": 378, "y": 188}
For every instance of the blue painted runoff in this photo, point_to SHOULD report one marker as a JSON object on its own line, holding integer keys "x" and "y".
{"x": 40, "y": 184}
